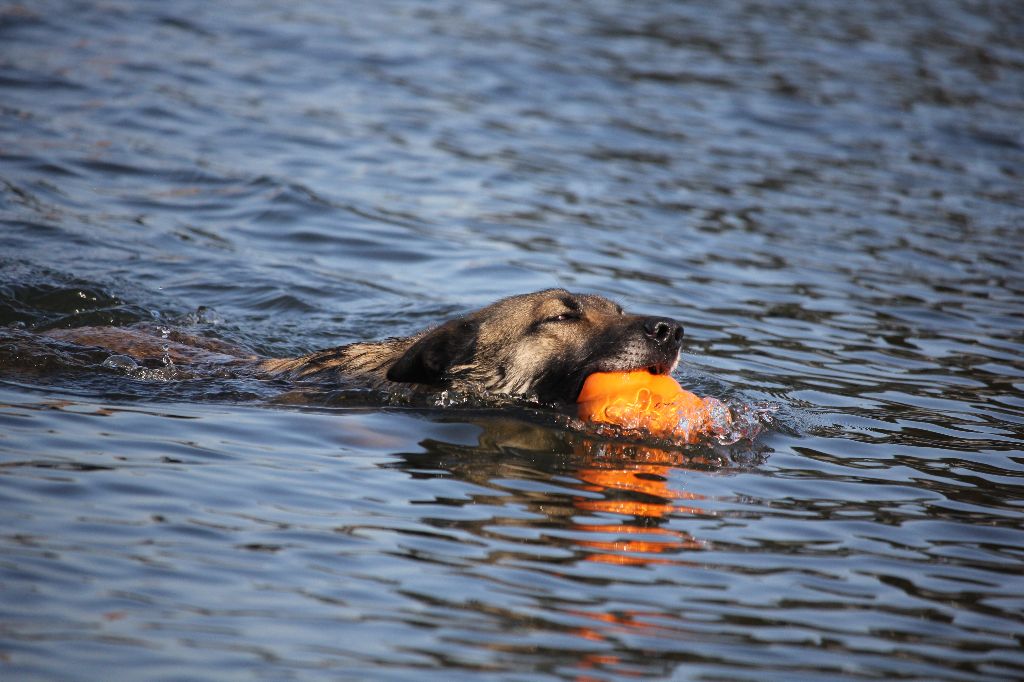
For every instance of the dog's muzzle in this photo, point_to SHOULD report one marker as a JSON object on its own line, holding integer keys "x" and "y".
{"x": 667, "y": 337}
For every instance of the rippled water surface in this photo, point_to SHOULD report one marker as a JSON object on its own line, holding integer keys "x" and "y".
{"x": 827, "y": 194}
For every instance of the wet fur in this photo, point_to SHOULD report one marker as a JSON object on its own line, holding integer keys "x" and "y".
{"x": 538, "y": 346}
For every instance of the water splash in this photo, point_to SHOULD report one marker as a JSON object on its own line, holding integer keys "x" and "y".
{"x": 120, "y": 363}
{"x": 718, "y": 422}
{"x": 128, "y": 366}
{"x": 165, "y": 333}
{"x": 201, "y": 316}
{"x": 747, "y": 421}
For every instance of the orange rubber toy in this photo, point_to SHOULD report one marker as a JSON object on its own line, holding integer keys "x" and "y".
{"x": 655, "y": 403}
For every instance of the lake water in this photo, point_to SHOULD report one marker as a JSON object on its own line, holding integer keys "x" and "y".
{"x": 828, "y": 195}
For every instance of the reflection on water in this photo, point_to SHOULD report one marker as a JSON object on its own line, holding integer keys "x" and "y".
{"x": 636, "y": 541}
{"x": 826, "y": 195}
{"x": 622, "y": 495}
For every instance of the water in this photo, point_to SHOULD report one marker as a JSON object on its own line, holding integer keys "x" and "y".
{"x": 827, "y": 195}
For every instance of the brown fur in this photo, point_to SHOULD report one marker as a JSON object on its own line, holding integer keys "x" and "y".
{"x": 538, "y": 346}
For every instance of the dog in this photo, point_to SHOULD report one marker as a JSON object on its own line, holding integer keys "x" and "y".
{"x": 538, "y": 347}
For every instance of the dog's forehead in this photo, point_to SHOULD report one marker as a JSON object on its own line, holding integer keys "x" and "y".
{"x": 509, "y": 317}
{"x": 584, "y": 302}
{"x": 551, "y": 301}
{"x": 598, "y": 302}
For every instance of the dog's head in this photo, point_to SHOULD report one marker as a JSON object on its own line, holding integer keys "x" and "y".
{"x": 540, "y": 346}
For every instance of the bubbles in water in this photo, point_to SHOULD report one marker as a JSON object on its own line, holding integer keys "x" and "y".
{"x": 121, "y": 363}
{"x": 131, "y": 368}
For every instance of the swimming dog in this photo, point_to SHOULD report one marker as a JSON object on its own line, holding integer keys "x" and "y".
{"x": 539, "y": 346}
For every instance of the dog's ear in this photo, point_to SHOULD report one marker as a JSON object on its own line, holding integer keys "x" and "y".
{"x": 428, "y": 360}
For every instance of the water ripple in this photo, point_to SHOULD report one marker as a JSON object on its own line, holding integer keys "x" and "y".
{"x": 826, "y": 194}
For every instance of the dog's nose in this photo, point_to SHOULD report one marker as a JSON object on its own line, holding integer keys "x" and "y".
{"x": 663, "y": 330}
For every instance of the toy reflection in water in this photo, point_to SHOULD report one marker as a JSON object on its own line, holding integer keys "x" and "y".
{"x": 606, "y": 500}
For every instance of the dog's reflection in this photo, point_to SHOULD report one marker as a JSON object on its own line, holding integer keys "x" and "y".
{"x": 577, "y": 508}
{"x": 602, "y": 500}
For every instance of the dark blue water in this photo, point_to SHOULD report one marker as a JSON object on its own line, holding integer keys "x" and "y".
{"x": 829, "y": 196}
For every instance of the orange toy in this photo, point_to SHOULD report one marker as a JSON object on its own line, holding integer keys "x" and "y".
{"x": 655, "y": 403}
